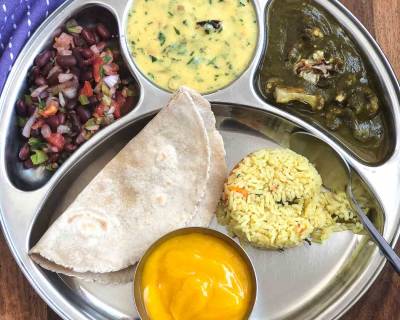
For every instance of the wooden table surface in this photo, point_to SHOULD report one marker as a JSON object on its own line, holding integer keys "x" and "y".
{"x": 18, "y": 301}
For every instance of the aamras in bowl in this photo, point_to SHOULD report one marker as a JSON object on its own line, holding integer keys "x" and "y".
{"x": 195, "y": 273}
{"x": 205, "y": 45}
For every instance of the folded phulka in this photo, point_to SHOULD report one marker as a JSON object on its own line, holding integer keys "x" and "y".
{"x": 169, "y": 176}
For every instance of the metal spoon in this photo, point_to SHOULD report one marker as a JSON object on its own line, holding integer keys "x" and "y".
{"x": 336, "y": 175}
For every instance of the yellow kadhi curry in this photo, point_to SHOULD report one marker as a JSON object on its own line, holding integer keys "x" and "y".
{"x": 203, "y": 44}
{"x": 196, "y": 277}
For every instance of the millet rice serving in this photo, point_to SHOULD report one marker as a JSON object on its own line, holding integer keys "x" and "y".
{"x": 274, "y": 199}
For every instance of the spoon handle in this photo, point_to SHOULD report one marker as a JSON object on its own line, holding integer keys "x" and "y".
{"x": 380, "y": 241}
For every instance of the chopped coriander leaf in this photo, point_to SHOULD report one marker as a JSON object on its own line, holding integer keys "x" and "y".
{"x": 21, "y": 121}
{"x": 36, "y": 143}
{"x": 90, "y": 123}
{"x": 177, "y": 31}
{"x": 212, "y": 61}
{"x": 107, "y": 59}
{"x": 194, "y": 61}
{"x": 161, "y": 38}
{"x": 153, "y": 58}
{"x": 28, "y": 99}
{"x": 42, "y": 104}
{"x": 39, "y": 157}
{"x": 83, "y": 100}
{"x": 102, "y": 72}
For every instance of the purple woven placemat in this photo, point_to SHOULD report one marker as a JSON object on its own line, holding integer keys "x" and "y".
{"x": 18, "y": 21}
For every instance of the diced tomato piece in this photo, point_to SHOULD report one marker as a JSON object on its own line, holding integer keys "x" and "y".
{"x": 111, "y": 69}
{"x": 118, "y": 104}
{"x": 57, "y": 140}
{"x": 99, "y": 111}
{"x": 38, "y": 124}
{"x": 87, "y": 89}
{"x": 50, "y": 110}
{"x": 97, "y": 64}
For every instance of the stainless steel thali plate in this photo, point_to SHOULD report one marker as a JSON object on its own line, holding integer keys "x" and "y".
{"x": 307, "y": 282}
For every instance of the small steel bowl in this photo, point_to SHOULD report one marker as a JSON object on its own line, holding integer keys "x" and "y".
{"x": 137, "y": 282}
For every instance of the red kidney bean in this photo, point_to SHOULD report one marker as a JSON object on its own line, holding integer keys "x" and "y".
{"x": 36, "y": 72}
{"x": 89, "y": 36}
{"x": 40, "y": 81}
{"x": 30, "y": 109}
{"x": 53, "y": 122}
{"x": 61, "y": 118}
{"x": 45, "y": 131}
{"x": 71, "y": 104}
{"x": 69, "y": 147}
{"x": 78, "y": 40}
{"x": 115, "y": 53}
{"x": 88, "y": 62}
{"x": 80, "y": 139}
{"x": 53, "y": 80}
{"x": 66, "y": 61}
{"x": 44, "y": 94}
{"x": 77, "y": 52}
{"x": 96, "y": 36}
{"x": 28, "y": 164}
{"x": 21, "y": 108}
{"x": 35, "y": 133}
{"x": 53, "y": 157}
{"x": 43, "y": 58}
{"x": 76, "y": 71}
{"x": 86, "y": 75}
{"x": 93, "y": 100}
{"x": 102, "y": 31}
{"x": 101, "y": 45}
{"x": 24, "y": 152}
{"x": 76, "y": 124}
{"x": 83, "y": 114}
{"x": 86, "y": 53}
{"x": 128, "y": 105}
{"x": 46, "y": 69}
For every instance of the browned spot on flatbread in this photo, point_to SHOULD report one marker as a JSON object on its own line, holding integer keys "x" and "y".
{"x": 128, "y": 194}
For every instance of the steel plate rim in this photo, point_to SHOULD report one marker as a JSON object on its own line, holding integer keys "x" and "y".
{"x": 380, "y": 262}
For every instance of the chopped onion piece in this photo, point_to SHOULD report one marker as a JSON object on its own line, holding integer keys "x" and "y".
{"x": 26, "y": 132}
{"x": 70, "y": 88}
{"x": 61, "y": 99}
{"x": 38, "y": 91}
{"x": 70, "y": 92}
{"x": 111, "y": 110}
{"x": 64, "y": 77}
{"x": 95, "y": 50}
{"x": 45, "y": 131}
{"x": 53, "y": 70}
{"x": 63, "y": 129}
{"x": 64, "y": 52}
{"x": 112, "y": 80}
{"x": 63, "y": 42}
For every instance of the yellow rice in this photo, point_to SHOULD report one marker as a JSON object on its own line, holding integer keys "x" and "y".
{"x": 274, "y": 199}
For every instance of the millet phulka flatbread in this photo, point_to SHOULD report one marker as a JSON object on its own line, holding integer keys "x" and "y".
{"x": 169, "y": 176}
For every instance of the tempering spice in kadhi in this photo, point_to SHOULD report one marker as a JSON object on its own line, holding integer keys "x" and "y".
{"x": 196, "y": 276}
{"x": 201, "y": 44}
